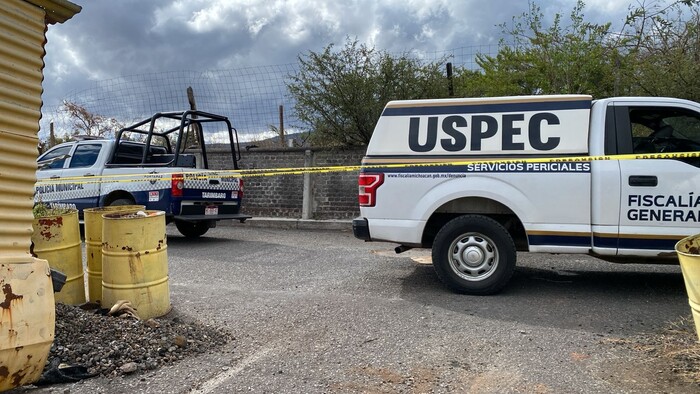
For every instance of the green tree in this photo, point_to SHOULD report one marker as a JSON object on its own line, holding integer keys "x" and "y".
{"x": 340, "y": 94}
{"x": 656, "y": 53}
{"x": 571, "y": 57}
{"x": 663, "y": 43}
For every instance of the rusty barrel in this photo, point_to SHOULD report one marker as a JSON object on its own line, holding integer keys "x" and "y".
{"x": 57, "y": 239}
{"x": 93, "y": 244}
{"x": 688, "y": 250}
{"x": 27, "y": 320}
{"x": 135, "y": 262}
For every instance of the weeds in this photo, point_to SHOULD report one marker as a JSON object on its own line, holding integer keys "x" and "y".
{"x": 676, "y": 346}
{"x": 42, "y": 210}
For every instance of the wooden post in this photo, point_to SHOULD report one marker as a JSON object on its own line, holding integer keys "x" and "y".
{"x": 193, "y": 133}
{"x": 190, "y": 98}
{"x": 283, "y": 143}
{"x": 450, "y": 86}
{"x": 193, "y": 106}
{"x": 52, "y": 136}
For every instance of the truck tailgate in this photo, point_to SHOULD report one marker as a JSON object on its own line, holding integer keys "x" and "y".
{"x": 208, "y": 195}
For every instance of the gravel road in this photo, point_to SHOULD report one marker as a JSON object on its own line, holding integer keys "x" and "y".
{"x": 320, "y": 311}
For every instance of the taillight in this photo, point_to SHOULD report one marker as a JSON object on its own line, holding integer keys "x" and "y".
{"x": 240, "y": 187}
{"x": 368, "y": 188}
{"x": 177, "y": 184}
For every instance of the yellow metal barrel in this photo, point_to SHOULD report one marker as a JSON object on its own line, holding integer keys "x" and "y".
{"x": 688, "y": 250}
{"x": 27, "y": 319}
{"x": 93, "y": 244}
{"x": 57, "y": 239}
{"x": 135, "y": 262}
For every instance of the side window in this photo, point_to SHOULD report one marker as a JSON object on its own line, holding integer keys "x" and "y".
{"x": 664, "y": 129}
{"x": 55, "y": 158}
{"x": 85, "y": 155}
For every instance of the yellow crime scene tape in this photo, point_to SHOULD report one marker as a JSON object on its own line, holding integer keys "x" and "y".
{"x": 267, "y": 172}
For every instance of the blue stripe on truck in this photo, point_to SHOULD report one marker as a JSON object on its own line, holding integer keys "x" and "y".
{"x": 559, "y": 240}
{"x": 653, "y": 244}
{"x": 602, "y": 242}
{"x": 485, "y": 108}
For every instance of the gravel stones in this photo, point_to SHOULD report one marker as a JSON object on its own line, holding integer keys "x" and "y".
{"x": 113, "y": 346}
{"x": 129, "y": 368}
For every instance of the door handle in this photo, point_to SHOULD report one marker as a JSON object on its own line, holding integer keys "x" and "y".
{"x": 214, "y": 182}
{"x": 643, "y": 180}
{"x": 88, "y": 174}
{"x": 55, "y": 177}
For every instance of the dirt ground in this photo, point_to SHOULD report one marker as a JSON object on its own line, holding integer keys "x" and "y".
{"x": 675, "y": 350}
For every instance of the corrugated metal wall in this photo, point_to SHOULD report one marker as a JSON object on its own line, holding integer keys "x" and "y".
{"x": 22, "y": 30}
{"x": 28, "y": 319}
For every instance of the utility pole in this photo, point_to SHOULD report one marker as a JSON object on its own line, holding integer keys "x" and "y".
{"x": 450, "y": 86}
{"x": 194, "y": 131}
{"x": 282, "y": 138}
{"x": 52, "y": 136}
{"x": 190, "y": 98}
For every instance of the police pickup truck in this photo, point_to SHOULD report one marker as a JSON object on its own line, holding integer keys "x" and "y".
{"x": 160, "y": 162}
{"x": 478, "y": 179}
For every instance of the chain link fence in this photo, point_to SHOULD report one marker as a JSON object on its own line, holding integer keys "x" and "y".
{"x": 251, "y": 97}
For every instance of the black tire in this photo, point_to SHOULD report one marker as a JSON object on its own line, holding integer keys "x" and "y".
{"x": 474, "y": 254}
{"x": 192, "y": 229}
{"x": 122, "y": 201}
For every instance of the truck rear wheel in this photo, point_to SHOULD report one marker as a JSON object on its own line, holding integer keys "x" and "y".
{"x": 474, "y": 254}
{"x": 122, "y": 201}
{"x": 192, "y": 229}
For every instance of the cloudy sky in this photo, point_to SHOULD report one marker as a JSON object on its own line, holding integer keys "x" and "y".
{"x": 109, "y": 39}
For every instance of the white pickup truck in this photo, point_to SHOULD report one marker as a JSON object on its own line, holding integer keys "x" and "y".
{"x": 478, "y": 179}
{"x": 160, "y": 162}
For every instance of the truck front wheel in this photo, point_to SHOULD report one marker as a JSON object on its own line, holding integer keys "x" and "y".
{"x": 474, "y": 254}
{"x": 192, "y": 229}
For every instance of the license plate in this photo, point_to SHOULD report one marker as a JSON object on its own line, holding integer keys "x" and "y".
{"x": 211, "y": 210}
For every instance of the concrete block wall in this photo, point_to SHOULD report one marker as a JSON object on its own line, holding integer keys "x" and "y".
{"x": 328, "y": 195}
{"x": 335, "y": 193}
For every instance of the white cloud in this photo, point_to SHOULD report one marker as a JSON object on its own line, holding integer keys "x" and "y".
{"x": 69, "y": 60}
{"x": 608, "y": 6}
{"x": 127, "y": 37}
{"x": 256, "y": 25}
{"x": 173, "y": 13}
